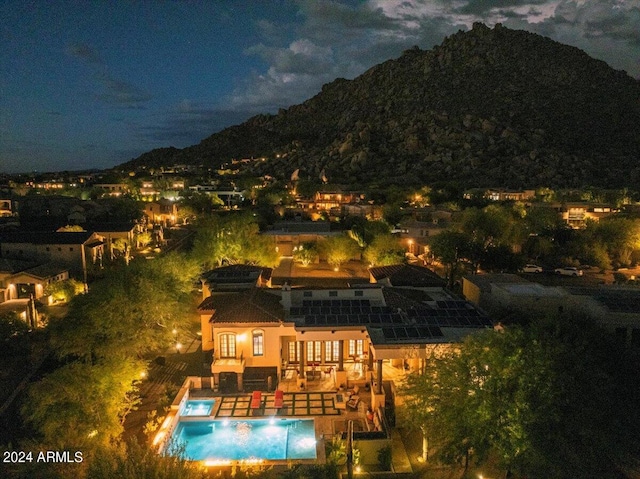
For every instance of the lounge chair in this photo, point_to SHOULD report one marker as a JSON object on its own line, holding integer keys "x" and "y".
{"x": 256, "y": 400}
{"x": 354, "y": 391}
{"x": 278, "y": 399}
{"x": 353, "y": 402}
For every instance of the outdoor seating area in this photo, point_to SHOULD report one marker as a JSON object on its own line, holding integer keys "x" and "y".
{"x": 277, "y": 404}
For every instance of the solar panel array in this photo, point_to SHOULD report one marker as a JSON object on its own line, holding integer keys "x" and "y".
{"x": 411, "y": 333}
{"x": 450, "y": 314}
{"x": 347, "y": 315}
{"x": 415, "y": 325}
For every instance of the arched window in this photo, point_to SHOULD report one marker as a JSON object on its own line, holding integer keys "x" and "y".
{"x": 227, "y": 345}
{"x": 258, "y": 342}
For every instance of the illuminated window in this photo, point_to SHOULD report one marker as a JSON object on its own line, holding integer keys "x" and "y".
{"x": 294, "y": 349}
{"x": 332, "y": 351}
{"x": 228, "y": 345}
{"x": 258, "y": 343}
{"x": 314, "y": 353}
{"x": 356, "y": 347}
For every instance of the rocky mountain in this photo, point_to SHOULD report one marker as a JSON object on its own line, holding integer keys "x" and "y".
{"x": 487, "y": 107}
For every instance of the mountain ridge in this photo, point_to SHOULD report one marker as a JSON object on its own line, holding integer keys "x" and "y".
{"x": 487, "y": 107}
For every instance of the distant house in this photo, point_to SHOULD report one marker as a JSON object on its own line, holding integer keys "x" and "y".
{"x": 417, "y": 234}
{"x": 111, "y": 232}
{"x": 73, "y": 250}
{"x": 23, "y": 280}
{"x": 500, "y": 194}
{"x": 616, "y": 308}
{"x": 113, "y": 189}
{"x": 7, "y": 207}
{"x": 576, "y": 214}
{"x": 291, "y": 234}
{"x": 164, "y": 212}
{"x": 235, "y": 277}
{"x": 406, "y": 275}
{"x": 231, "y": 197}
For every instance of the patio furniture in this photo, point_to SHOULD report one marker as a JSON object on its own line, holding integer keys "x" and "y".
{"x": 278, "y": 399}
{"x": 256, "y": 400}
{"x": 353, "y": 402}
{"x": 354, "y": 391}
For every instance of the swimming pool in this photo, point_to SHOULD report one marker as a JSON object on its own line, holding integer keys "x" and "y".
{"x": 197, "y": 408}
{"x": 236, "y": 440}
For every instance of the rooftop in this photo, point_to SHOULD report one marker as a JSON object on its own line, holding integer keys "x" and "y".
{"x": 407, "y": 275}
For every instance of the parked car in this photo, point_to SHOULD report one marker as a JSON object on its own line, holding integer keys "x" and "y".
{"x": 532, "y": 268}
{"x": 569, "y": 271}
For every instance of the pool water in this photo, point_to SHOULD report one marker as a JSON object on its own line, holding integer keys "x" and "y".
{"x": 270, "y": 439}
{"x": 197, "y": 408}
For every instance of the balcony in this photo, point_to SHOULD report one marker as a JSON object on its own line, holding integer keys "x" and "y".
{"x": 228, "y": 365}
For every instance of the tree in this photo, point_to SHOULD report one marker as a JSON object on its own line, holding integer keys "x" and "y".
{"x": 306, "y": 253}
{"x": 450, "y": 248}
{"x": 83, "y": 405}
{"x": 132, "y": 461}
{"x": 232, "y": 240}
{"x": 129, "y": 312}
{"x": 556, "y": 398}
{"x": 339, "y": 250}
{"x": 64, "y": 290}
{"x": 384, "y": 250}
{"x": 143, "y": 239}
{"x": 123, "y": 247}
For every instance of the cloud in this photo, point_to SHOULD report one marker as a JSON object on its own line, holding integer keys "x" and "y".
{"x": 111, "y": 90}
{"x": 122, "y": 94}
{"x": 84, "y": 52}
{"x": 606, "y": 29}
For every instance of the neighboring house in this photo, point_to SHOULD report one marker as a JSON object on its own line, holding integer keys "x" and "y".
{"x": 7, "y": 207}
{"x": 164, "y": 212}
{"x": 576, "y": 213}
{"x": 23, "y": 280}
{"x": 111, "y": 232}
{"x": 258, "y": 335}
{"x": 235, "y": 277}
{"x": 406, "y": 275}
{"x": 291, "y": 234}
{"x": 417, "y": 234}
{"x": 616, "y": 308}
{"x": 112, "y": 189}
{"x": 73, "y": 250}
{"x": 231, "y": 197}
{"x": 499, "y": 194}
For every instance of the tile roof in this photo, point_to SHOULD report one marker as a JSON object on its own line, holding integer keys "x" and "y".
{"x": 46, "y": 270}
{"x": 45, "y": 237}
{"x": 254, "y": 305}
{"x": 14, "y": 265}
{"x": 407, "y": 275}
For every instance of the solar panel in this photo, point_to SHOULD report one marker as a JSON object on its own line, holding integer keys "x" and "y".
{"x": 412, "y": 332}
{"x": 436, "y": 332}
{"x": 401, "y": 333}
{"x": 389, "y": 333}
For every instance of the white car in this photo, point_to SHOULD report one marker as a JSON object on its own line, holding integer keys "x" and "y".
{"x": 532, "y": 268}
{"x": 569, "y": 271}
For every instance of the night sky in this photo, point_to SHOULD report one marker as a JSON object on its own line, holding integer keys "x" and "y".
{"x": 91, "y": 84}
